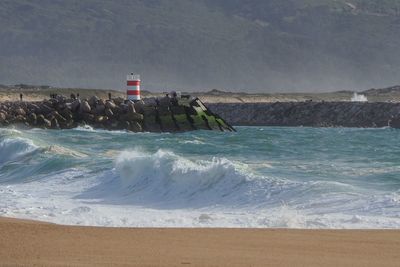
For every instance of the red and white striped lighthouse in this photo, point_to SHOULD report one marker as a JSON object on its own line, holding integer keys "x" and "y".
{"x": 133, "y": 87}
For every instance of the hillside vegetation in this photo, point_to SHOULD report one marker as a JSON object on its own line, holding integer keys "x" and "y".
{"x": 237, "y": 45}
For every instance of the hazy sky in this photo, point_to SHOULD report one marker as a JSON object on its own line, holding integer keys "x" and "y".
{"x": 252, "y": 46}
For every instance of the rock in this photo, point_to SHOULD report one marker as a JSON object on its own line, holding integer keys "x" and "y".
{"x": 45, "y": 109}
{"x": 66, "y": 113}
{"x": 123, "y": 108}
{"x": 33, "y": 108}
{"x": 139, "y": 106}
{"x": 110, "y": 105}
{"x": 101, "y": 102}
{"x": 54, "y": 124}
{"x": 61, "y": 106}
{"x": 58, "y": 116}
{"x": 20, "y": 118}
{"x": 40, "y": 119}
{"x": 101, "y": 119}
{"x": 117, "y": 110}
{"x": 61, "y": 99}
{"x": 32, "y": 118}
{"x": 3, "y": 117}
{"x": 394, "y": 122}
{"x": 132, "y": 117}
{"x": 131, "y": 107}
{"x": 20, "y": 111}
{"x": 151, "y": 101}
{"x": 93, "y": 101}
{"x": 85, "y": 107}
{"x": 52, "y": 103}
{"x": 113, "y": 125}
{"x": 75, "y": 105}
{"x": 165, "y": 101}
{"x": 124, "y": 125}
{"x": 135, "y": 127}
{"x": 88, "y": 117}
{"x": 109, "y": 113}
{"x": 47, "y": 123}
{"x": 100, "y": 109}
{"x": 119, "y": 100}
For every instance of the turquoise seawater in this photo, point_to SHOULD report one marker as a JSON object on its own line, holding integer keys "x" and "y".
{"x": 255, "y": 177}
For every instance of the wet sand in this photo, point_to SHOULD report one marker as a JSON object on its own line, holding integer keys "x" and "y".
{"x": 34, "y": 243}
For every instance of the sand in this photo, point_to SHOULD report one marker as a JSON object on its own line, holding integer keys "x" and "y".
{"x": 34, "y": 243}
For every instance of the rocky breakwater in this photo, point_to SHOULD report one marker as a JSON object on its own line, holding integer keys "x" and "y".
{"x": 153, "y": 115}
{"x": 315, "y": 114}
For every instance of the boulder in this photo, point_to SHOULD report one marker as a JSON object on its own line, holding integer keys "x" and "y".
{"x": 110, "y": 105}
{"x": 119, "y": 100}
{"x": 33, "y": 107}
{"x": 54, "y": 124}
{"x": 75, "y": 105}
{"x": 165, "y": 101}
{"x": 61, "y": 99}
{"x": 46, "y": 123}
{"x": 40, "y": 119}
{"x": 139, "y": 106}
{"x": 123, "y": 108}
{"x": 32, "y": 118}
{"x": 101, "y": 119}
{"x": 58, "y": 116}
{"x": 135, "y": 127}
{"x": 101, "y": 102}
{"x": 20, "y": 111}
{"x": 394, "y": 122}
{"x": 100, "y": 109}
{"x": 20, "y": 118}
{"x": 151, "y": 101}
{"x": 85, "y": 107}
{"x": 45, "y": 109}
{"x": 132, "y": 117}
{"x": 109, "y": 113}
{"x": 93, "y": 101}
{"x": 66, "y": 113}
{"x": 3, "y": 117}
{"x": 87, "y": 117}
{"x": 131, "y": 107}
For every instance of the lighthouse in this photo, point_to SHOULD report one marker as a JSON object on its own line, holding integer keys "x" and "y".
{"x": 133, "y": 87}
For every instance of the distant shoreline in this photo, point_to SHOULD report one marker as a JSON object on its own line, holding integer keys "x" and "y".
{"x": 28, "y": 243}
{"x": 390, "y": 94}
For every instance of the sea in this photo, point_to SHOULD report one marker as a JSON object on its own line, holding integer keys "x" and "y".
{"x": 258, "y": 177}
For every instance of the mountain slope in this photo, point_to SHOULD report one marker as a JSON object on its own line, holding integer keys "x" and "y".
{"x": 247, "y": 45}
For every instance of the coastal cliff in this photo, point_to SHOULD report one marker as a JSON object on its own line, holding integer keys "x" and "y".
{"x": 313, "y": 114}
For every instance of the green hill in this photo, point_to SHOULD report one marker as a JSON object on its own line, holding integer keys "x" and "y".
{"x": 237, "y": 45}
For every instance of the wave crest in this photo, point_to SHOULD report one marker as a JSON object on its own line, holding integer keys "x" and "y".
{"x": 167, "y": 176}
{"x": 13, "y": 148}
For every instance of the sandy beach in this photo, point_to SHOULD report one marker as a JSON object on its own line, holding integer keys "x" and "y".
{"x": 25, "y": 242}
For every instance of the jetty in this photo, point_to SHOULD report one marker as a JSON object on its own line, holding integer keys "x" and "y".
{"x": 165, "y": 114}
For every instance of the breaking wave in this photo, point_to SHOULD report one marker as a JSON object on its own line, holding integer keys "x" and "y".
{"x": 278, "y": 178}
{"x": 166, "y": 180}
{"x": 15, "y": 148}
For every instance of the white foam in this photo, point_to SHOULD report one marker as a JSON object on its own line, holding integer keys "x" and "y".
{"x": 359, "y": 98}
{"x": 166, "y": 189}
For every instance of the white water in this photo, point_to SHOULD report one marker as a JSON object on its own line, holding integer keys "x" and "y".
{"x": 359, "y": 98}
{"x": 127, "y": 180}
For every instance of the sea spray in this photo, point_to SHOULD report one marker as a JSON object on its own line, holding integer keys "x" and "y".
{"x": 359, "y": 98}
